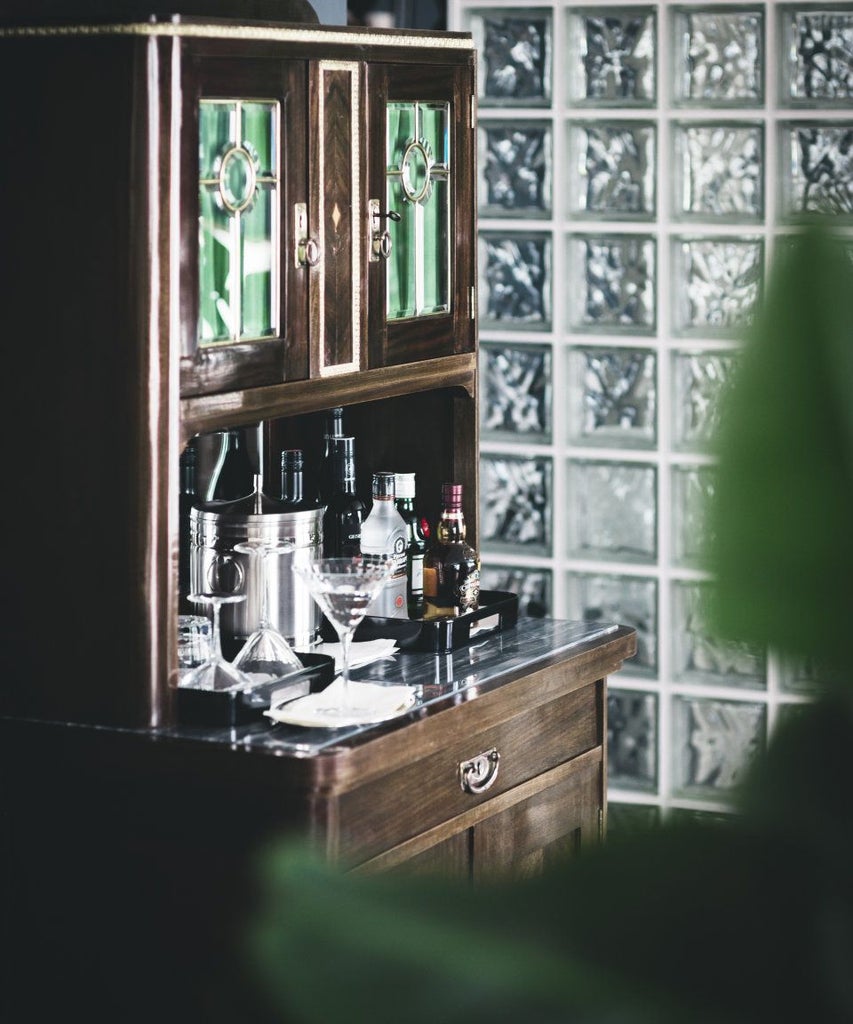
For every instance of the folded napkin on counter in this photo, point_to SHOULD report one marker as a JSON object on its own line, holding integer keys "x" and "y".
{"x": 374, "y": 703}
{"x": 361, "y": 653}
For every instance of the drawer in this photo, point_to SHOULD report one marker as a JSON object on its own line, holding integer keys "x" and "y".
{"x": 417, "y": 796}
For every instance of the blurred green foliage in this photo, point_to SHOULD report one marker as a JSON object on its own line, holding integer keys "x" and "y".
{"x": 745, "y": 921}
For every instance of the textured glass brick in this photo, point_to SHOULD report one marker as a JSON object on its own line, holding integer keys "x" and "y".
{"x": 817, "y": 168}
{"x": 533, "y": 586}
{"x": 719, "y": 56}
{"x": 515, "y": 504}
{"x": 629, "y": 600}
{"x": 613, "y": 511}
{"x": 719, "y": 284}
{"x": 806, "y": 677}
{"x": 701, "y": 657}
{"x": 611, "y": 56}
{"x": 515, "y": 280}
{"x": 699, "y": 381}
{"x": 516, "y": 392}
{"x": 714, "y": 744}
{"x": 514, "y": 48}
{"x": 612, "y": 283}
{"x": 612, "y": 170}
{"x": 704, "y": 819}
{"x": 632, "y": 728}
{"x": 719, "y": 171}
{"x": 817, "y": 44}
{"x": 692, "y": 491}
{"x": 613, "y": 397}
{"x": 515, "y": 169}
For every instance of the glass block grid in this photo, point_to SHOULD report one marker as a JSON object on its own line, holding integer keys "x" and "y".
{"x": 626, "y": 227}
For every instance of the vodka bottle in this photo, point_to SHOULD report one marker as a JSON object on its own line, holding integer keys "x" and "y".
{"x": 451, "y": 565}
{"x": 416, "y": 546}
{"x": 383, "y": 533}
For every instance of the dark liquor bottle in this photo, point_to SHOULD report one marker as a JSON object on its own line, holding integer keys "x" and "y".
{"x": 293, "y": 497}
{"x": 186, "y": 500}
{"x": 334, "y": 431}
{"x": 405, "y": 490}
{"x": 345, "y": 511}
{"x": 451, "y": 565}
{"x": 233, "y": 475}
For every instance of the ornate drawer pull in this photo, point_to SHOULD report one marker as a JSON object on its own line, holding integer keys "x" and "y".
{"x": 478, "y": 774}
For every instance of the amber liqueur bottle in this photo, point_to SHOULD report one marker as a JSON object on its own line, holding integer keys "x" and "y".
{"x": 451, "y": 565}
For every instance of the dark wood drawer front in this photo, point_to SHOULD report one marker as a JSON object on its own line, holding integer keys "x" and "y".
{"x": 426, "y": 792}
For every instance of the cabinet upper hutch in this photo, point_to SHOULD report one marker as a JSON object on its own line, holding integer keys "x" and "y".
{"x": 211, "y": 224}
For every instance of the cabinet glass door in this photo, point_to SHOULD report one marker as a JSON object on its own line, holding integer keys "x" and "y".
{"x": 418, "y": 145}
{"x": 238, "y": 218}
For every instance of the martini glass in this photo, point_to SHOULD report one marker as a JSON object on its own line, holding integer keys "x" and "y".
{"x": 216, "y": 673}
{"x": 266, "y": 654}
{"x": 343, "y": 588}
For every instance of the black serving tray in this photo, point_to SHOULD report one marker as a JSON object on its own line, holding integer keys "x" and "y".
{"x": 229, "y": 708}
{"x": 498, "y": 611}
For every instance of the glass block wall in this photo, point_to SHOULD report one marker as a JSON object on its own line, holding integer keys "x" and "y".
{"x": 637, "y": 164}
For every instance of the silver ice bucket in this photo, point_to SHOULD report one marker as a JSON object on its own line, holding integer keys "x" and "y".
{"x": 215, "y": 528}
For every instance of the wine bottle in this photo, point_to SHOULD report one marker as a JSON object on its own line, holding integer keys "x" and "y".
{"x": 451, "y": 565}
{"x": 233, "y": 475}
{"x": 334, "y": 431}
{"x": 345, "y": 511}
{"x": 293, "y": 497}
{"x": 186, "y": 500}
{"x": 416, "y": 543}
{"x": 383, "y": 534}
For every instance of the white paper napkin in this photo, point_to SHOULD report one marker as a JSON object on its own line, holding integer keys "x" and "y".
{"x": 362, "y": 653}
{"x": 374, "y": 703}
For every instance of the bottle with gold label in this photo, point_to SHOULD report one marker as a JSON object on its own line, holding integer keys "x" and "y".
{"x": 451, "y": 565}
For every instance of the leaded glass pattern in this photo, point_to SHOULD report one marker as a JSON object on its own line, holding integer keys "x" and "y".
{"x": 614, "y": 510}
{"x": 699, "y": 382}
{"x": 818, "y": 45}
{"x": 613, "y": 397}
{"x": 515, "y": 280}
{"x": 515, "y": 168}
{"x": 817, "y": 168}
{"x": 630, "y": 600}
{"x": 516, "y": 391}
{"x": 238, "y": 255}
{"x": 612, "y": 56}
{"x": 719, "y": 56}
{"x": 699, "y": 655}
{"x": 533, "y": 586}
{"x": 632, "y": 739}
{"x": 692, "y": 491}
{"x": 612, "y": 284}
{"x": 714, "y": 744}
{"x": 612, "y": 169}
{"x": 515, "y": 504}
{"x": 515, "y": 55}
{"x": 418, "y": 190}
{"x": 719, "y": 171}
{"x": 719, "y": 284}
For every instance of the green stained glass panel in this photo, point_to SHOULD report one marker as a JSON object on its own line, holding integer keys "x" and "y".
{"x": 434, "y": 250}
{"x": 216, "y": 127}
{"x": 401, "y": 127}
{"x": 401, "y": 262}
{"x": 257, "y": 263}
{"x": 215, "y": 248}
{"x": 433, "y": 130}
{"x": 259, "y": 132}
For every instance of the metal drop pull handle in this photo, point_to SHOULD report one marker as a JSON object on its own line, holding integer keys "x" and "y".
{"x": 479, "y": 774}
{"x": 380, "y": 239}
{"x": 306, "y": 251}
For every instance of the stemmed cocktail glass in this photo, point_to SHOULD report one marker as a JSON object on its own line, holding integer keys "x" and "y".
{"x": 343, "y": 588}
{"x": 216, "y": 673}
{"x": 266, "y": 654}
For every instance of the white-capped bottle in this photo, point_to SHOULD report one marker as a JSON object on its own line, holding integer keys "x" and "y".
{"x": 384, "y": 533}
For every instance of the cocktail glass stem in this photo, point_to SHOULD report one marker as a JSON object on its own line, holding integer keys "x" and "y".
{"x": 345, "y": 636}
